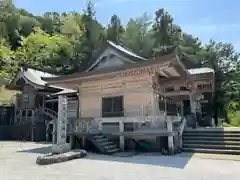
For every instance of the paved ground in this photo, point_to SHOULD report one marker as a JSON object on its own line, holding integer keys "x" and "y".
{"x": 17, "y": 162}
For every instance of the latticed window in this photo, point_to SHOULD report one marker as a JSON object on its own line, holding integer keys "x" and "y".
{"x": 25, "y": 98}
{"x": 169, "y": 89}
{"x": 204, "y": 86}
{"x": 183, "y": 88}
{"x": 112, "y": 106}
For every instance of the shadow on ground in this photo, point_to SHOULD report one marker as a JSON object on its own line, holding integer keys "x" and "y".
{"x": 177, "y": 161}
{"x": 41, "y": 150}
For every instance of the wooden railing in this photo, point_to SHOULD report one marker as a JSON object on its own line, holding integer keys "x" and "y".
{"x": 84, "y": 126}
{"x": 90, "y": 125}
{"x": 181, "y": 129}
{"x": 49, "y": 112}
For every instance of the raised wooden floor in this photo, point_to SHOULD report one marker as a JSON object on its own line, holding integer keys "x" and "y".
{"x": 144, "y": 133}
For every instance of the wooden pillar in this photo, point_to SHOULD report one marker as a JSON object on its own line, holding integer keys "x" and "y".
{"x": 142, "y": 109}
{"x": 100, "y": 126}
{"x": 43, "y": 103}
{"x": 182, "y": 110}
{"x": 33, "y": 124}
{"x": 153, "y": 104}
{"x": 121, "y": 138}
{"x": 47, "y": 130}
{"x": 165, "y": 107}
{"x": 192, "y": 103}
{"x": 78, "y": 105}
{"x": 83, "y": 141}
{"x": 71, "y": 141}
{"x": 170, "y": 137}
{"x": 15, "y": 112}
{"x": 54, "y": 132}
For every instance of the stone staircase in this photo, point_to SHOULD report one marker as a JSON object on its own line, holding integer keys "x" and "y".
{"x": 212, "y": 140}
{"x": 103, "y": 144}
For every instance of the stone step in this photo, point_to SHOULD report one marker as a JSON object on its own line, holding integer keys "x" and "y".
{"x": 106, "y": 143}
{"x": 211, "y": 138}
{"x": 98, "y": 137}
{"x": 212, "y": 151}
{"x": 101, "y": 140}
{"x": 111, "y": 151}
{"x": 214, "y": 130}
{"x": 223, "y": 142}
{"x": 210, "y": 135}
{"x": 113, "y": 146}
{"x": 211, "y": 146}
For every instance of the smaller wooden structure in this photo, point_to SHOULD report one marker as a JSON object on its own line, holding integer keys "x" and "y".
{"x": 35, "y": 105}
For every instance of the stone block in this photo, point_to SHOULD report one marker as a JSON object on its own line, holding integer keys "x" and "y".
{"x": 60, "y": 148}
{"x": 58, "y": 158}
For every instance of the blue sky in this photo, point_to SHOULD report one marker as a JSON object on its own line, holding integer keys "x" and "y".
{"x": 206, "y": 19}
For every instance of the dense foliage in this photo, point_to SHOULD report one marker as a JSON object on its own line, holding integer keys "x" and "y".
{"x": 68, "y": 42}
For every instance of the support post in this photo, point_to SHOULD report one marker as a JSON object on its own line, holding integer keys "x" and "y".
{"x": 43, "y": 103}
{"x": 100, "y": 128}
{"x": 15, "y": 112}
{"x": 33, "y": 124}
{"x": 121, "y": 138}
{"x": 54, "y": 133}
{"x": 180, "y": 141}
{"x": 182, "y": 110}
{"x": 71, "y": 141}
{"x": 153, "y": 105}
{"x": 165, "y": 107}
{"x": 170, "y": 137}
{"x": 47, "y": 130}
{"x": 192, "y": 103}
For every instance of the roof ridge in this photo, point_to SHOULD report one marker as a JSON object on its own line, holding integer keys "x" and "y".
{"x": 125, "y": 50}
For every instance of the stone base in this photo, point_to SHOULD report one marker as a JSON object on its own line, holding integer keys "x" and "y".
{"x": 58, "y": 158}
{"x": 60, "y": 148}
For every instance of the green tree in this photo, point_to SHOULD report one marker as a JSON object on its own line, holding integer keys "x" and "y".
{"x": 8, "y": 65}
{"x": 27, "y": 24}
{"x": 162, "y": 28}
{"x": 169, "y": 37}
{"x": 138, "y": 36}
{"x": 225, "y": 61}
{"x": 9, "y": 18}
{"x": 115, "y": 29}
{"x": 45, "y": 51}
{"x": 91, "y": 40}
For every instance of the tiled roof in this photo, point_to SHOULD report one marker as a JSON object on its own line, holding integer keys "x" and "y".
{"x": 36, "y": 76}
{"x": 162, "y": 59}
{"x": 200, "y": 71}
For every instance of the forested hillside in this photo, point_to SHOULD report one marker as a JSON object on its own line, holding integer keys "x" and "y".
{"x": 68, "y": 42}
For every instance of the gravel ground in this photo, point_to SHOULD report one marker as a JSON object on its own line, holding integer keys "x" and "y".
{"x": 17, "y": 162}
